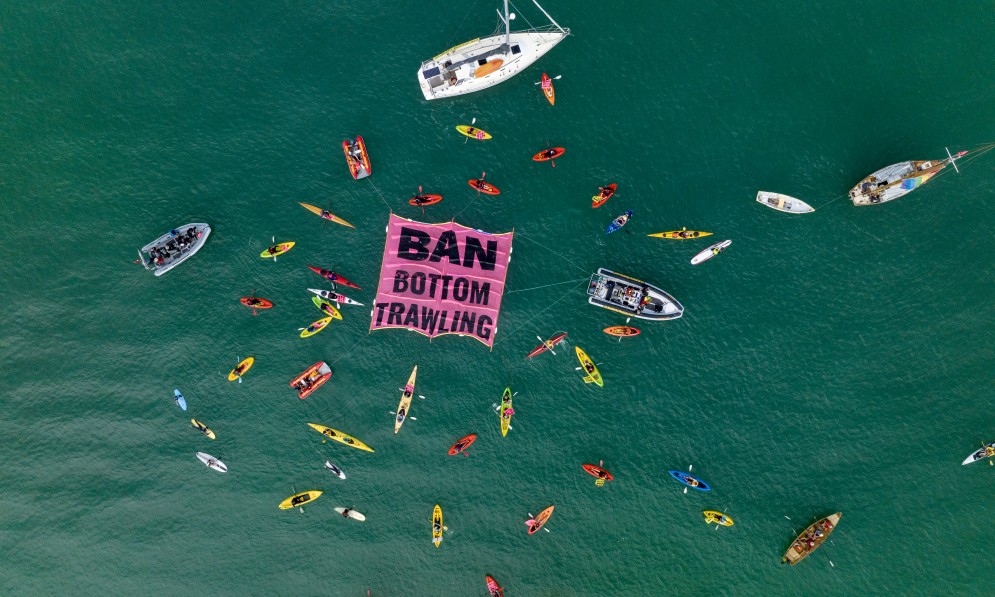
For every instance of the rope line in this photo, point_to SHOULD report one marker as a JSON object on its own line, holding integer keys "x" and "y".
{"x": 546, "y": 286}
{"x": 379, "y": 193}
{"x": 561, "y": 256}
{"x": 550, "y": 306}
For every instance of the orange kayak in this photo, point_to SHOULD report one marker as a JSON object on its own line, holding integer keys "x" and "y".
{"x": 621, "y": 330}
{"x": 550, "y": 154}
{"x": 547, "y": 89}
{"x": 483, "y": 187}
{"x": 606, "y": 194}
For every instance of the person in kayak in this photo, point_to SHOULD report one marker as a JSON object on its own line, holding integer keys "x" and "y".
{"x": 345, "y": 512}
{"x": 589, "y": 366}
{"x": 400, "y": 415}
{"x": 238, "y": 370}
{"x": 480, "y": 184}
{"x": 315, "y": 326}
{"x": 605, "y": 192}
{"x": 549, "y": 153}
{"x": 253, "y": 301}
{"x": 470, "y": 130}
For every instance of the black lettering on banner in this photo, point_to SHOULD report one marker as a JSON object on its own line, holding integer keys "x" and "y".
{"x": 452, "y": 327}
{"x": 484, "y": 329}
{"x": 446, "y": 246}
{"x": 473, "y": 249}
{"x": 429, "y": 319}
{"x": 400, "y": 281}
{"x": 479, "y": 292}
{"x": 394, "y": 317}
{"x": 413, "y": 240}
{"x": 466, "y": 322}
{"x": 461, "y": 287}
{"x": 418, "y": 283}
{"x": 380, "y": 308}
{"x": 411, "y": 319}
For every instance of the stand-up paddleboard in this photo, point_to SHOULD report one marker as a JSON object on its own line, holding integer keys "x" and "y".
{"x": 332, "y": 277}
{"x": 546, "y": 344}
{"x": 606, "y": 193}
{"x": 690, "y": 480}
{"x": 538, "y": 522}
{"x": 350, "y": 513}
{"x": 202, "y": 428}
{"x": 462, "y": 444}
{"x": 682, "y": 234}
{"x": 483, "y": 187}
{"x": 716, "y": 517}
{"x": 316, "y": 327}
{"x": 710, "y": 252}
{"x": 547, "y": 89}
{"x": 549, "y": 154}
{"x": 331, "y": 467}
{"x": 241, "y": 368}
{"x": 335, "y": 297}
{"x": 784, "y": 203}
{"x": 342, "y": 438}
{"x": 325, "y": 214}
{"x": 591, "y": 373}
{"x": 405, "y": 405}
{"x": 276, "y": 250}
{"x": 437, "y": 527}
{"x": 253, "y": 302}
{"x": 326, "y": 307}
{"x": 212, "y": 462}
{"x": 180, "y": 400}
{"x": 986, "y": 451}
{"x": 472, "y": 132}
{"x": 299, "y": 499}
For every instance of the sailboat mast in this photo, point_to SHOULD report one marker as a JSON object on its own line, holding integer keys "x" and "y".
{"x": 507, "y": 26}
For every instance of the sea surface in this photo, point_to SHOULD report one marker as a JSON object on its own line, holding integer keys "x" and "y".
{"x": 836, "y": 361}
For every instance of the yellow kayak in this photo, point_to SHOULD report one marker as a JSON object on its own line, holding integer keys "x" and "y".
{"x": 326, "y": 307}
{"x": 682, "y": 234}
{"x": 275, "y": 250}
{"x": 505, "y": 405}
{"x": 343, "y": 438}
{"x": 203, "y": 428}
{"x": 405, "y": 405}
{"x": 316, "y": 327}
{"x": 590, "y": 370}
{"x": 299, "y": 499}
{"x": 242, "y": 367}
{"x": 437, "y": 525}
{"x": 473, "y": 133}
{"x": 716, "y": 517}
{"x": 325, "y": 214}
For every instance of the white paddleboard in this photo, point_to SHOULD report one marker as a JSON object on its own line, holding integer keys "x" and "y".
{"x": 335, "y": 469}
{"x": 710, "y": 252}
{"x": 352, "y": 514}
{"x": 212, "y": 462}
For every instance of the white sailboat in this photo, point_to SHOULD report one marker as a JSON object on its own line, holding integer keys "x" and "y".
{"x": 484, "y": 62}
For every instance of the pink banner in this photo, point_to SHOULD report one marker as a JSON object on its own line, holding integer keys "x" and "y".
{"x": 441, "y": 279}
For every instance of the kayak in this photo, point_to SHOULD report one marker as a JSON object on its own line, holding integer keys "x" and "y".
{"x": 325, "y": 214}
{"x": 462, "y": 444}
{"x": 549, "y": 154}
{"x": 539, "y": 521}
{"x": 334, "y": 297}
{"x": 350, "y": 513}
{"x": 618, "y": 222}
{"x": 710, "y": 252}
{"x": 313, "y": 378}
{"x": 505, "y": 405}
{"x": 278, "y": 249}
{"x": 212, "y": 462}
{"x": 255, "y": 302}
{"x": 316, "y": 327}
{"x": 326, "y": 307}
{"x": 180, "y": 400}
{"x": 690, "y": 480}
{"x": 716, "y": 517}
{"x": 299, "y": 499}
{"x": 598, "y": 472}
{"x": 332, "y": 277}
{"x": 986, "y": 451}
{"x": 784, "y": 203}
{"x": 357, "y": 157}
{"x": 811, "y": 538}
{"x": 405, "y": 404}
{"x": 487, "y": 68}
{"x": 342, "y": 438}
{"x": 437, "y": 525}
{"x": 492, "y": 585}
{"x": 474, "y": 133}
{"x": 592, "y": 375}
{"x": 483, "y": 187}
{"x": 202, "y": 428}
{"x": 546, "y": 344}
{"x": 423, "y": 200}
{"x": 621, "y": 331}
{"x": 242, "y": 367}
{"x": 606, "y": 194}
{"x": 682, "y": 234}
{"x": 547, "y": 89}
{"x": 338, "y": 472}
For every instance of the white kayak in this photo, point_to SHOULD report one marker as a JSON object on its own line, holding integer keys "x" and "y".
{"x": 335, "y": 297}
{"x": 212, "y": 462}
{"x": 710, "y": 252}
{"x": 986, "y": 451}
{"x": 338, "y": 472}
{"x": 784, "y": 203}
{"x": 351, "y": 514}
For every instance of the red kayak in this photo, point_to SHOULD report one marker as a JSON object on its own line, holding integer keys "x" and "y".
{"x": 598, "y": 472}
{"x": 547, "y": 344}
{"x": 332, "y": 277}
{"x": 255, "y": 302}
{"x": 462, "y": 444}
{"x": 483, "y": 187}
{"x": 423, "y": 200}
{"x": 550, "y": 154}
{"x": 605, "y": 194}
{"x": 492, "y": 586}
{"x": 621, "y": 331}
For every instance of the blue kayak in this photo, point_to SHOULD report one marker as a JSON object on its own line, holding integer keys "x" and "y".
{"x": 619, "y": 222}
{"x": 690, "y": 480}
{"x": 180, "y": 400}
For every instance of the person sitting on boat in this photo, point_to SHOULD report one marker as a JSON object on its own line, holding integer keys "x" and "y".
{"x": 272, "y": 250}
{"x": 479, "y": 183}
{"x": 507, "y": 413}
{"x": 605, "y": 191}
{"x": 989, "y": 451}
{"x": 400, "y": 415}
{"x": 470, "y": 130}
{"x": 589, "y": 366}
{"x": 345, "y": 512}
{"x": 174, "y": 233}
{"x": 238, "y": 370}
{"x": 436, "y": 527}
{"x": 684, "y": 233}
{"x": 691, "y": 481}
{"x": 549, "y": 153}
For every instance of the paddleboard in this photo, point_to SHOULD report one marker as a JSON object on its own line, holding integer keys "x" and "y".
{"x": 332, "y": 277}
{"x": 326, "y": 307}
{"x": 716, "y": 517}
{"x": 350, "y": 513}
{"x": 316, "y": 327}
{"x": 682, "y": 234}
{"x": 437, "y": 527}
{"x": 591, "y": 373}
{"x": 549, "y": 154}
{"x": 342, "y": 438}
{"x": 618, "y": 222}
{"x": 690, "y": 480}
{"x": 299, "y": 499}
{"x": 505, "y": 405}
{"x": 710, "y": 252}
{"x": 483, "y": 187}
{"x": 547, "y": 89}
{"x": 202, "y": 428}
{"x": 241, "y": 368}
{"x": 423, "y": 200}
{"x": 986, "y": 451}
{"x": 276, "y": 250}
{"x": 334, "y": 297}
{"x": 606, "y": 194}
{"x": 325, "y": 215}
{"x": 180, "y": 400}
{"x": 621, "y": 331}
{"x": 255, "y": 302}
{"x": 492, "y": 585}
{"x": 212, "y": 462}
{"x": 462, "y": 444}
{"x": 540, "y": 520}
{"x": 597, "y": 471}
{"x": 338, "y": 472}
{"x": 474, "y": 133}
{"x": 546, "y": 344}
{"x": 404, "y": 406}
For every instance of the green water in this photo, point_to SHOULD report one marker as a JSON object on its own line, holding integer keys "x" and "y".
{"x": 839, "y": 361}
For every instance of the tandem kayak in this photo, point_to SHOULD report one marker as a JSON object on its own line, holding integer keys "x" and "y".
{"x": 986, "y": 451}
{"x": 473, "y": 133}
{"x": 437, "y": 525}
{"x": 606, "y": 193}
{"x": 462, "y": 444}
{"x": 342, "y": 438}
{"x": 334, "y": 297}
{"x": 299, "y": 499}
{"x": 483, "y": 187}
{"x": 546, "y": 344}
{"x": 621, "y": 331}
{"x": 405, "y": 404}
{"x": 278, "y": 249}
{"x": 326, "y": 307}
{"x": 618, "y": 222}
{"x": 241, "y": 368}
{"x": 549, "y": 154}
{"x": 505, "y": 411}
{"x": 690, "y": 480}
{"x": 682, "y": 234}
{"x": 202, "y": 428}
{"x": 538, "y": 522}
{"x": 598, "y": 472}
{"x": 212, "y": 462}
{"x": 332, "y": 277}
{"x": 316, "y": 327}
{"x": 180, "y": 400}
{"x": 325, "y": 214}
{"x": 710, "y": 252}
{"x": 312, "y": 379}
{"x": 591, "y": 373}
